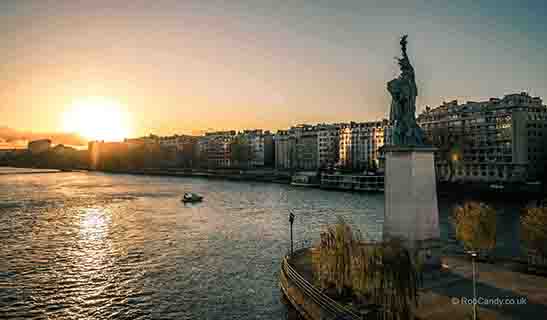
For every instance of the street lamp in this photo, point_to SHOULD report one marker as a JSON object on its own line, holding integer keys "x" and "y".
{"x": 291, "y": 220}
{"x": 473, "y": 256}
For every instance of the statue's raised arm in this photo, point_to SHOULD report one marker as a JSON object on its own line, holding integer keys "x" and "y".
{"x": 403, "y": 43}
{"x": 404, "y": 63}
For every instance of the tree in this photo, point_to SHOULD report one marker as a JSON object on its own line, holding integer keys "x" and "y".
{"x": 394, "y": 278}
{"x": 335, "y": 252}
{"x": 380, "y": 273}
{"x": 533, "y": 224}
{"x": 475, "y": 225}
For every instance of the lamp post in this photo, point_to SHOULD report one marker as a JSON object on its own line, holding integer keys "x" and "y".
{"x": 291, "y": 220}
{"x": 473, "y": 256}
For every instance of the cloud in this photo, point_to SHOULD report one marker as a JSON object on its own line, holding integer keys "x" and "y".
{"x": 11, "y": 138}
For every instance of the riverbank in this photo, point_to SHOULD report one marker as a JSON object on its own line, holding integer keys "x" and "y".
{"x": 512, "y": 191}
{"x": 336, "y": 182}
{"x": 14, "y": 170}
{"x": 364, "y": 183}
{"x": 255, "y": 176}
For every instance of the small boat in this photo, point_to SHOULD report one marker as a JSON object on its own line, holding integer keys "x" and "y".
{"x": 303, "y": 180}
{"x": 496, "y": 186}
{"x": 190, "y": 197}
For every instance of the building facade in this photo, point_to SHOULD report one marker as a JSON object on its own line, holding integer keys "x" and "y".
{"x": 360, "y": 144}
{"x": 499, "y": 140}
{"x": 183, "y": 148}
{"x": 297, "y": 148}
{"x": 217, "y": 148}
{"x": 201, "y": 152}
{"x": 100, "y": 152}
{"x": 269, "y": 150}
{"x": 39, "y": 146}
{"x": 350, "y": 145}
{"x": 219, "y": 152}
{"x": 284, "y": 143}
{"x": 328, "y": 141}
{"x": 179, "y": 142}
{"x": 260, "y": 147}
{"x": 306, "y": 150}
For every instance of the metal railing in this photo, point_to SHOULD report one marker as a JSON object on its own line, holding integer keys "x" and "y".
{"x": 327, "y": 304}
{"x": 299, "y": 245}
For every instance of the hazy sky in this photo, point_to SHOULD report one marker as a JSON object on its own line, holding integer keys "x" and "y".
{"x": 183, "y": 66}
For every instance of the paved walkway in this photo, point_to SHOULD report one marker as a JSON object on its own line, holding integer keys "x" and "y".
{"x": 444, "y": 295}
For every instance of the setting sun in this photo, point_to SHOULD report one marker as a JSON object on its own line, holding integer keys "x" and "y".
{"x": 97, "y": 118}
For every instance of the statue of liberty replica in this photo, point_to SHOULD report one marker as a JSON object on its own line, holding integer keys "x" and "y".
{"x": 403, "y": 92}
{"x": 411, "y": 209}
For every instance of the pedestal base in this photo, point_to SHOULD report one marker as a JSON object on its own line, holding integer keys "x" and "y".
{"x": 411, "y": 210}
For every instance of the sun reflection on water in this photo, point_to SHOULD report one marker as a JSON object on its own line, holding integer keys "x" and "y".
{"x": 95, "y": 243}
{"x": 94, "y": 223}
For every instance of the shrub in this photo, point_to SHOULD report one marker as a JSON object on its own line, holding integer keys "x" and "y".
{"x": 475, "y": 225}
{"x": 533, "y": 224}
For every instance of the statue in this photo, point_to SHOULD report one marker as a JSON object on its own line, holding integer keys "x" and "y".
{"x": 403, "y": 92}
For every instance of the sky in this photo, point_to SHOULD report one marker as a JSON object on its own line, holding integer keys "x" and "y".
{"x": 190, "y": 66}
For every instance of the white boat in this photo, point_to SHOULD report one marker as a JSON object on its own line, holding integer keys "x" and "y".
{"x": 191, "y": 197}
{"x": 304, "y": 180}
{"x": 496, "y": 186}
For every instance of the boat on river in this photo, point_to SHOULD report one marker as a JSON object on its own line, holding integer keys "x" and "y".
{"x": 305, "y": 180}
{"x": 190, "y": 197}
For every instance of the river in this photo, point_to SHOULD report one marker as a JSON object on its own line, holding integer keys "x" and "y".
{"x": 78, "y": 245}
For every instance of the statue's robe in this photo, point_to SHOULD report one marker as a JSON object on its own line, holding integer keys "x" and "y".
{"x": 396, "y": 112}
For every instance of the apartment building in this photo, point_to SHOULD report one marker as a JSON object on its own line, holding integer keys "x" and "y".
{"x": 284, "y": 143}
{"x": 328, "y": 138}
{"x": 360, "y": 143}
{"x": 260, "y": 146}
{"x": 219, "y": 152}
{"x": 217, "y": 148}
{"x": 297, "y": 148}
{"x": 39, "y": 146}
{"x": 498, "y": 140}
{"x": 306, "y": 150}
{"x": 178, "y": 142}
{"x": 311, "y": 147}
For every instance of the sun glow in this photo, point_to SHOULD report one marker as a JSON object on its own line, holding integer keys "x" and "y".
{"x": 97, "y": 118}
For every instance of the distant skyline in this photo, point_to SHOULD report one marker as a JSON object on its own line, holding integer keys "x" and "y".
{"x": 189, "y": 66}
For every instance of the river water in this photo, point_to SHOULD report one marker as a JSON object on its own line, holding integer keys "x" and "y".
{"x": 99, "y": 246}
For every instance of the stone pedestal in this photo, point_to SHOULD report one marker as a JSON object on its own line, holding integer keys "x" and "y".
{"x": 411, "y": 210}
